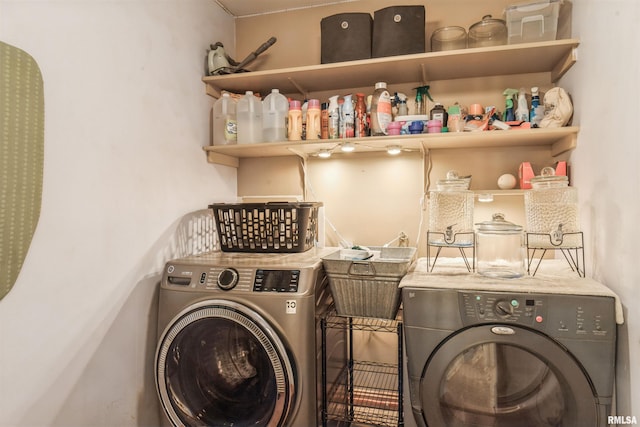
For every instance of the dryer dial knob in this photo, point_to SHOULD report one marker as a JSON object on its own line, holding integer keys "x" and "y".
{"x": 227, "y": 279}
{"x": 504, "y": 308}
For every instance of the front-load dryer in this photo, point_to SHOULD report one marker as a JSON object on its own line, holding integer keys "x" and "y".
{"x": 509, "y": 352}
{"x": 239, "y": 339}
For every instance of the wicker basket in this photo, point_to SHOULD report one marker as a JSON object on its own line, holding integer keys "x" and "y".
{"x": 266, "y": 227}
{"x": 368, "y": 288}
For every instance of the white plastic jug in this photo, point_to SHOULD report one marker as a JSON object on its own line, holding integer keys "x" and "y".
{"x": 249, "y": 112}
{"x": 275, "y": 108}
{"x": 225, "y": 126}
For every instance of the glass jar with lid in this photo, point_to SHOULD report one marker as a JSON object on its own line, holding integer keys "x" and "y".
{"x": 451, "y": 212}
{"x": 488, "y": 32}
{"x": 551, "y": 209}
{"x": 500, "y": 248}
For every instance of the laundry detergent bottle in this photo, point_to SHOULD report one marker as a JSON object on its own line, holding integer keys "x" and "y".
{"x": 380, "y": 110}
{"x": 314, "y": 130}
{"x": 249, "y": 112}
{"x": 294, "y": 123}
{"x": 275, "y": 108}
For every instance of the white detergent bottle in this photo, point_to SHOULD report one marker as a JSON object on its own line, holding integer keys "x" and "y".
{"x": 275, "y": 108}
{"x": 249, "y": 113}
{"x": 225, "y": 127}
{"x": 334, "y": 117}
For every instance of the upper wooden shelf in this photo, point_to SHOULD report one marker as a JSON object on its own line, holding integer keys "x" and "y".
{"x": 559, "y": 140}
{"x": 554, "y": 57}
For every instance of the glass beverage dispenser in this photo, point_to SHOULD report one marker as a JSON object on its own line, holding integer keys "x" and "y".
{"x": 451, "y": 212}
{"x": 551, "y": 209}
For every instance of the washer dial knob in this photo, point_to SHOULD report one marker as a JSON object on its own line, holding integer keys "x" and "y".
{"x": 504, "y": 308}
{"x": 228, "y": 279}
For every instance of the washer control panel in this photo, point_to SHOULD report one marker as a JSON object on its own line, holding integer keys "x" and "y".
{"x": 189, "y": 277}
{"x": 276, "y": 280}
{"x": 571, "y": 316}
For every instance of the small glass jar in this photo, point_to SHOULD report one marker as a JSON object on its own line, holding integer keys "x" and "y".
{"x": 500, "y": 248}
{"x": 448, "y": 38}
{"x": 451, "y": 212}
{"x": 551, "y": 209}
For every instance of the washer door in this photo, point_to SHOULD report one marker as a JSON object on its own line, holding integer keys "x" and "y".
{"x": 219, "y": 363}
{"x": 504, "y": 375}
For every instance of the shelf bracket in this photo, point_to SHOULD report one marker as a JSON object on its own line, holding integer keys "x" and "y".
{"x": 212, "y": 90}
{"x": 298, "y": 153}
{"x": 222, "y": 159}
{"x": 302, "y": 91}
{"x": 567, "y": 143}
{"x": 563, "y": 66}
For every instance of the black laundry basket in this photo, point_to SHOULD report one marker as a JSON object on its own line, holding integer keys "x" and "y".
{"x": 274, "y": 227}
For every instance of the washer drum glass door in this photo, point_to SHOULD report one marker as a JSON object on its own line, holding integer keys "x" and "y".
{"x": 220, "y": 364}
{"x": 505, "y": 376}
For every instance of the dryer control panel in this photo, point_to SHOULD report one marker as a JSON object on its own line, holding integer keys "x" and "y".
{"x": 570, "y": 316}
{"x": 478, "y": 307}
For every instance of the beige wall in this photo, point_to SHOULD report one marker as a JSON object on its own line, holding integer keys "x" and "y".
{"x": 370, "y": 199}
{"x": 298, "y": 31}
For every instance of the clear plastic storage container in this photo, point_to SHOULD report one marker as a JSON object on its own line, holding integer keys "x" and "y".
{"x": 533, "y": 22}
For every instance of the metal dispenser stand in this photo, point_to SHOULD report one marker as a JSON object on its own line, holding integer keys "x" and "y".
{"x": 450, "y": 240}
{"x": 573, "y": 254}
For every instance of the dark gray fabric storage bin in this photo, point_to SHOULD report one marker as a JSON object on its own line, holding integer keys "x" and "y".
{"x": 345, "y": 37}
{"x": 398, "y": 30}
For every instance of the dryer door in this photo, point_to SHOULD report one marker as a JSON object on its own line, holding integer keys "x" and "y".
{"x": 505, "y": 376}
{"x": 220, "y": 363}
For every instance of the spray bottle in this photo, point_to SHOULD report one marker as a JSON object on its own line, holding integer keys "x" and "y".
{"x": 509, "y": 114}
{"x": 537, "y": 111}
{"x": 522, "y": 112}
{"x": 421, "y": 103}
{"x": 402, "y": 105}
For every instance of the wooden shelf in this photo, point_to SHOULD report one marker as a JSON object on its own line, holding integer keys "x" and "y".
{"x": 496, "y": 192}
{"x": 555, "y": 57}
{"x": 559, "y": 140}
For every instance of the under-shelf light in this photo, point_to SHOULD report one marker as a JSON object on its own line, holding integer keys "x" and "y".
{"x": 347, "y": 147}
{"x": 394, "y": 150}
{"x": 485, "y": 197}
{"x": 324, "y": 154}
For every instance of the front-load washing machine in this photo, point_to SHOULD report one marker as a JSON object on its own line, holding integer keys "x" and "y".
{"x": 526, "y": 352}
{"x": 239, "y": 339}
